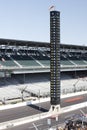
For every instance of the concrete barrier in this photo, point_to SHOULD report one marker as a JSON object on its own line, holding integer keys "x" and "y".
{"x": 12, "y": 123}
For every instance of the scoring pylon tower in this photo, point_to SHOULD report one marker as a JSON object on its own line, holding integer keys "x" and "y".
{"x": 55, "y": 60}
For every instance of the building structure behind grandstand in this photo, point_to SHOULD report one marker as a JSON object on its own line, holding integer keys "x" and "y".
{"x": 25, "y": 68}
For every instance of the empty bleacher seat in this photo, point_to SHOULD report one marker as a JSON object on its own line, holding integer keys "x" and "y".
{"x": 6, "y": 61}
{"x": 25, "y": 60}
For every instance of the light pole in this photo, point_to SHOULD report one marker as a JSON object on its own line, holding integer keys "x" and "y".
{"x": 22, "y": 91}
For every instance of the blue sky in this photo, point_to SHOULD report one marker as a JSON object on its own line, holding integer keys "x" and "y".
{"x": 29, "y": 20}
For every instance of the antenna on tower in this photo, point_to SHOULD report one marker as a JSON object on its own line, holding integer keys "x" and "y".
{"x": 52, "y": 8}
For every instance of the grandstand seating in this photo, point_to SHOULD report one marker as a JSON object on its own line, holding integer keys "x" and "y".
{"x": 11, "y": 92}
{"x": 42, "y": 58}
{"x": 65, "y": 61}
{"x": 25, "y": 60}
{"x": 39, "y": 58}
{"x": 72, "y": 59}
{"x": 77, "y": 60}
{"x": 38, "y": 84}
{"x": 6, "y": 61}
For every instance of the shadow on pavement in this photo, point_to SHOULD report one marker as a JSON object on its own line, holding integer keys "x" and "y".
{"x": 38, "y": 108}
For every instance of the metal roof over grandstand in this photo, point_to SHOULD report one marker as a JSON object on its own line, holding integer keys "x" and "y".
{"x": 14, "y": 42}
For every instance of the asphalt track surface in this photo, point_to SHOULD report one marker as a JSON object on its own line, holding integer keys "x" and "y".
{"x": 42, "y": 124}
{"x": 15, "y": 113}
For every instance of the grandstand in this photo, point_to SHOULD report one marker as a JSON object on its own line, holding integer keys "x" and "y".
{"x": 25, "y": 66}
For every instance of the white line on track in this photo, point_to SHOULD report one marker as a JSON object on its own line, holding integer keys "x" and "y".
{"x": 36, "y": 125}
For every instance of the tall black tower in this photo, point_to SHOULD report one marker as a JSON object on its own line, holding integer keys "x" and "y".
{"x": 55, "y": 60}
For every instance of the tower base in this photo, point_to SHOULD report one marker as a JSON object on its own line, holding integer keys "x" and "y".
{"x": 54, "y": 112}
{"x": 55, "y": 108}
